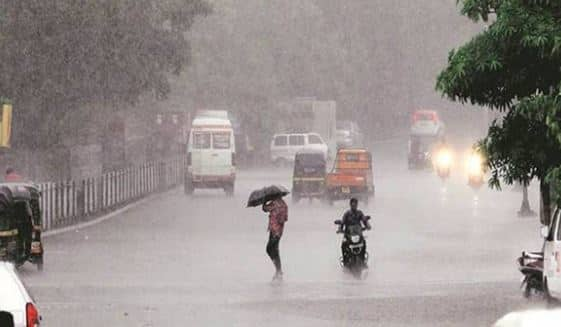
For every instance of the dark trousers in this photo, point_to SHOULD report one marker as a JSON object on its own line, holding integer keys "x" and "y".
{"x": 273, "y": 251}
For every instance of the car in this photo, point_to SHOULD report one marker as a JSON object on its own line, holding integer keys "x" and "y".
{"x": 16, "y": 299}
{"x": 348, "y": 134}
{"x": 535, "y": 317}
{"x": 285, "y": 146}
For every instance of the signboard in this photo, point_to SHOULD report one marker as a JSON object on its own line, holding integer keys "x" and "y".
{"x": 6, "y": 125}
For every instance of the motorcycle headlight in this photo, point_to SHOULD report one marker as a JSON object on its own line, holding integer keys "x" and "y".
{"x": 475, "y": 164}
{"x": 355, "y": 238}
{"x": 444, "y": 159}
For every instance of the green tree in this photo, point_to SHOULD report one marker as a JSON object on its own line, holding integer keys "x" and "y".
{"x": 511, "y": 66}
{"x": 57, "y": 56}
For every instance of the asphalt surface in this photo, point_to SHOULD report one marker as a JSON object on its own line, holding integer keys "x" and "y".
{"x": 441, "y": 255}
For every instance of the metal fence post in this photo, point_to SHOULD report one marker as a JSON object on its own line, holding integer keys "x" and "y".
{"x": 80, "y": 201}
{"x": 67, "y": 202}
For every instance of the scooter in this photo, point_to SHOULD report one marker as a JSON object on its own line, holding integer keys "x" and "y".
{"x": 355, "y": 256}
{"x": 530, "y": 265}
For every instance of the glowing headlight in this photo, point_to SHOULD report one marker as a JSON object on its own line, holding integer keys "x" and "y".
{"x": 475, "y": 164}
{"x": 444, "y": 158}
{"x": 355, "y": 238}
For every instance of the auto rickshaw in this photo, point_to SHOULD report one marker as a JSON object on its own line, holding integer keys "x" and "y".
{"x": 20, "y": 224}
{"x": 308, "y": 179}
{"x": 351, "y": 176}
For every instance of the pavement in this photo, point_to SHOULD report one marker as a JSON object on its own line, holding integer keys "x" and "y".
{"x": 441, "y": 254}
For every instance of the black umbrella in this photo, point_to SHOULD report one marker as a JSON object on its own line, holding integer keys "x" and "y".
{"x": 258, "y": 197}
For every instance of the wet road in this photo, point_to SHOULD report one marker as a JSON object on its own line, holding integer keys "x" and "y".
{"x": 440, "y": 256}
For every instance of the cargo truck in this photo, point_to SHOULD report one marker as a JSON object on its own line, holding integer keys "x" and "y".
{"x": 308, "y": 115}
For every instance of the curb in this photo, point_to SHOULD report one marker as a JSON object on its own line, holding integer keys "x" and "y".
{"x": 103, "y": 218}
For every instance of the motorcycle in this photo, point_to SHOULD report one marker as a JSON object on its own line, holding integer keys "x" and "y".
{"x": 475, "y": 171}
{"x": 354, "y": 257}
{"x": 530, "y": 265}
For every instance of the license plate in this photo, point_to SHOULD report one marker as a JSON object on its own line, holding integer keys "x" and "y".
{"x": 345, "y": 190}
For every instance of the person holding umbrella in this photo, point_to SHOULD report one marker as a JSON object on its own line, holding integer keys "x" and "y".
{"x": 271, "y": 200}
{"x": 278, "y": 215}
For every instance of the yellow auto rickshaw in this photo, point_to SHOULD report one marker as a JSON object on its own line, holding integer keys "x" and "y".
{"x": 308, "y": 179}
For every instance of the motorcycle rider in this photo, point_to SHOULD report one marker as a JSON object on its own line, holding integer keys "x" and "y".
{"x": 353, "y": 218}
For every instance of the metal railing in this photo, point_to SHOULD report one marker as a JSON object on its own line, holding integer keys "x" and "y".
{"x": 74, "y": 201}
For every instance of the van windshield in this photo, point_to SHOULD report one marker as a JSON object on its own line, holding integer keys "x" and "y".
{"x": 221, "y": 140}
{"x": 314, "y": 139}
{"x": 281, "y": 140}
{"x": 201, "y": 140}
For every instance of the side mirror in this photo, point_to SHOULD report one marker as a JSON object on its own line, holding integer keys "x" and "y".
{"x": 544, "y": 231}
{"x": 338, "y": 222}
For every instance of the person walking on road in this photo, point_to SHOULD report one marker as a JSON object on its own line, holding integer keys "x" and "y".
{"x": 278, "y": 215}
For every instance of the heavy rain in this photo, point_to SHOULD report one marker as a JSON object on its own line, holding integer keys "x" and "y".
{"x": 280, "y": 163}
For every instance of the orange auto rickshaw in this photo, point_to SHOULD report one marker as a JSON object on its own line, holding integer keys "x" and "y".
{"x": 351, "y": 176}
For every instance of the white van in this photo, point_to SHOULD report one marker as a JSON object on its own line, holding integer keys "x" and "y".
{"x": 211, "y": 155}
{"x": 285, "y": 146}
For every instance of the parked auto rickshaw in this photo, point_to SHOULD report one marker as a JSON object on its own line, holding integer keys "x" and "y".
{"x": 308, "y": 179}
{"x": 20, "y": 224}
{"x": 351, "y": 176}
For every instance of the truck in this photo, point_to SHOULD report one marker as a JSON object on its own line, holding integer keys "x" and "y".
{"x": 426, "y": 131}
{"x": 427, "y": 123}
{"x": 309, "y": 115}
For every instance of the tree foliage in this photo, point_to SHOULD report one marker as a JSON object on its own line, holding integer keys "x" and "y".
{"x": 56, "y": 55}
{"x": 520, "y": 147}
{"x": 517, "y": 55}
{"x": 513, "y": 65}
